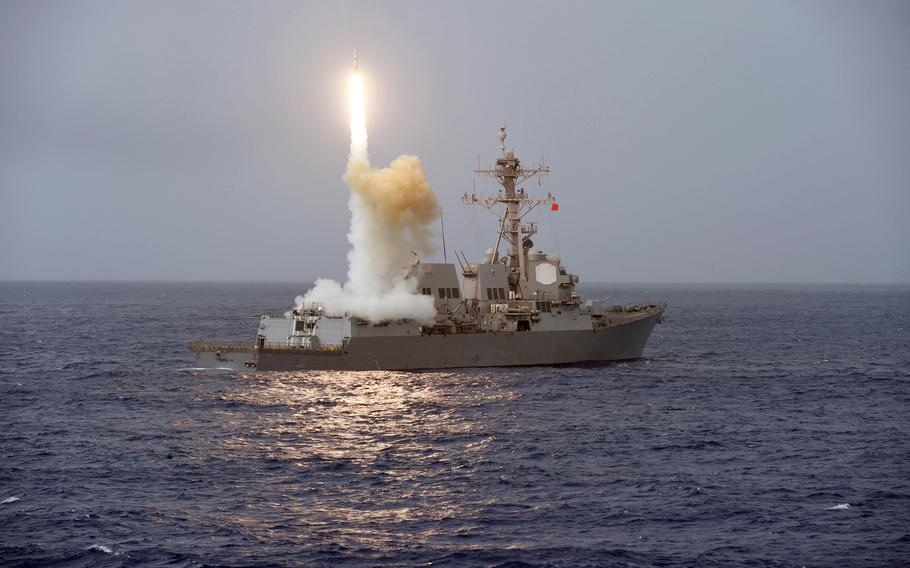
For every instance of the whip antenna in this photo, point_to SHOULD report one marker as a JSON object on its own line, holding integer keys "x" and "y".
{"x": 445, "y": 256}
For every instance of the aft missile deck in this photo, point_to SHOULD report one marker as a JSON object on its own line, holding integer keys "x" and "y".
{"x": 518, "y": 308}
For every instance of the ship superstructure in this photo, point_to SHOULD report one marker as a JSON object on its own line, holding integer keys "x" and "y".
{"x": 520, "y": 307}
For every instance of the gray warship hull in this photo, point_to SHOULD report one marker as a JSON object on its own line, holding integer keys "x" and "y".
{"x": 622, "y": 341}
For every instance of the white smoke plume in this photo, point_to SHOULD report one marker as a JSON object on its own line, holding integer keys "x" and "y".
{"x": 392, "y": 209}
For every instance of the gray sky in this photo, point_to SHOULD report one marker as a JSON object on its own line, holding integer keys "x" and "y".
{"x": 690, "y": 141}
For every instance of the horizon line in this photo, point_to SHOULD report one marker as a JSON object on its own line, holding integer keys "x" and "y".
{"x": 590, "y": 282}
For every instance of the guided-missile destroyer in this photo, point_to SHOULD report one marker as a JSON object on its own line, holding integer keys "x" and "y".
{"x": 516, "y": 308}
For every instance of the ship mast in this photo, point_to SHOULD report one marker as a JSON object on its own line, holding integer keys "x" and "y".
{"x": 509, "y": 173}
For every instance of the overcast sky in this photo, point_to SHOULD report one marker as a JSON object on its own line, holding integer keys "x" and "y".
{"x": 689, "y": 141}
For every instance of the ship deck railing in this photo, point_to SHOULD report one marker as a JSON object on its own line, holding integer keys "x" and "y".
{"x": 215, "y": 346}
{"x": 619, "y": 314}
{"x": 631, "y": 309}
{"x": 276, "y": 346}
{"x": 307, "y": 309}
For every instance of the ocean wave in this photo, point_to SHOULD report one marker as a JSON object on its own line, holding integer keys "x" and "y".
{"x": 101, "y": 548}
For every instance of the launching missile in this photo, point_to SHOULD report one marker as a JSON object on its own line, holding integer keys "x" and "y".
{"x": 355, "y": 60}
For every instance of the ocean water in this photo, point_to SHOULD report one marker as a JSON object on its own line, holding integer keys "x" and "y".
{"x": 767, "y": 426}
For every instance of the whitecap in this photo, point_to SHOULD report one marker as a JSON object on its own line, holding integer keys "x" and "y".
{"x": 840, "y": 507}
{"x": 12, "y": 499}
{"x": 101, "y": 548}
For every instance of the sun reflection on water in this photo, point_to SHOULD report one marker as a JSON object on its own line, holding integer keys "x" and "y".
{"x": 359, "y": 456}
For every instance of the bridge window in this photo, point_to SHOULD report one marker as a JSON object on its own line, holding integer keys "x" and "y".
{"x": 455, "y": 293}
{"x": 442, "y": 293}
{"x": 489, "y": 293}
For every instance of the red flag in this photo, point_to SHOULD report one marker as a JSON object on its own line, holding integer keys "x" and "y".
{"x": 554, "y": 207}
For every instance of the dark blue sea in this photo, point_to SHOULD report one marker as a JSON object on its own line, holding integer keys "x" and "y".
{"x": 767, "y": 426}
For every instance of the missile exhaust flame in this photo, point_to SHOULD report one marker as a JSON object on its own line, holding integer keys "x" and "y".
{"x": 358, "y": 117}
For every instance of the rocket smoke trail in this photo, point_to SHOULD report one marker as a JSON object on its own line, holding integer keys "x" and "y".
{"x": 392, "y": 209}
